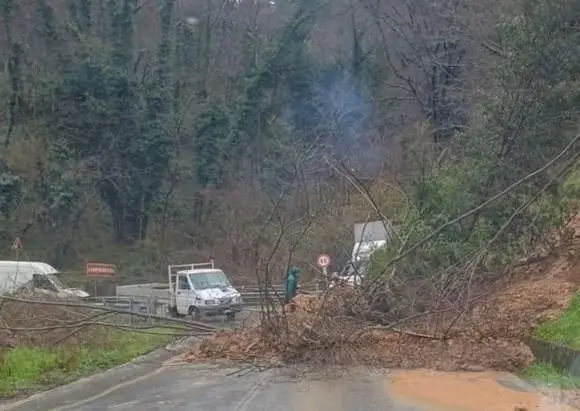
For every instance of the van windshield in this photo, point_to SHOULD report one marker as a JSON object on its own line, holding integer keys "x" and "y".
{"x": 209, "y": 279}
{"x": 353, "y": 269}
{"x": 56, "y": 281}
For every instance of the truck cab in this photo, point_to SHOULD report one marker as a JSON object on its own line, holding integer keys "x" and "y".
{"x": 197, "y": 289}
{"x": 368, "y": 238}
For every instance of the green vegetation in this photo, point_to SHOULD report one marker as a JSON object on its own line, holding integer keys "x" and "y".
{"x": 548, "y": 375}
{"x": 486, "y": 162}
{"x": 565, "y": 329}
{"x": 257, "y": 133}
{"x": 510, "y": 226}
{"x": 24, "y": 369}
{"x": 166, "y": 131}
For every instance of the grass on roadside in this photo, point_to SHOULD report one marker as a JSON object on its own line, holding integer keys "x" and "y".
{"x": 24, "y": 369}
{"x": 565, "y": 329}
{"x": 550, "y": 376}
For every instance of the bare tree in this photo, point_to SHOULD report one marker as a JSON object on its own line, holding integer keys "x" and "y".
{"x": 425, "y": 52}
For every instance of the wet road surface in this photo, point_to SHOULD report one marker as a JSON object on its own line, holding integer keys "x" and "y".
{"x": 160, "y": 381}
{"x": 185, "y": 387}
{"x": 197, "y": 389}
{"x": 214, "y": 388}
{"x": 166, "y": 384}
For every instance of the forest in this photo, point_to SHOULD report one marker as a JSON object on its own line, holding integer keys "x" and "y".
{"x": 142, "y": 132}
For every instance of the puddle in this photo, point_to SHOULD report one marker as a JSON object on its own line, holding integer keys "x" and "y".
{"x": 469, "y": 391}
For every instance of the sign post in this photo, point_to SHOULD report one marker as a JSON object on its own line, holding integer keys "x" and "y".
{"x": 17, "y": 246}
{"x": 100, "y": 270}
{"x": 323, "y": 261}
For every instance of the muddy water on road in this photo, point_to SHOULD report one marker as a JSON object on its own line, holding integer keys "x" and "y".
{"x": 469, "y": 391}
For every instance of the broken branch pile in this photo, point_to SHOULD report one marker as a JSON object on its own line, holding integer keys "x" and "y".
{"x": 309, "y": 328}
{"x": 489, "y": 335}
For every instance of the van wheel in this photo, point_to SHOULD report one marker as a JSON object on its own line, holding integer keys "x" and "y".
{"x": 194, "y": 313}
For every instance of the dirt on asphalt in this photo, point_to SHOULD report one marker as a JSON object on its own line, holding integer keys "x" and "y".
{"x": 465, "y": 391}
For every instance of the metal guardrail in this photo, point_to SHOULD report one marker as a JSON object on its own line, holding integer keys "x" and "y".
{"x": 137, "y": 304}
{"x": 157, "y": 303}
{"x": 254, "y": 295}
{"x": 142, "y": 311}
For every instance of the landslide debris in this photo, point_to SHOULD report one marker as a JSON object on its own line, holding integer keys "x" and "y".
{"x": 489, "y": 336}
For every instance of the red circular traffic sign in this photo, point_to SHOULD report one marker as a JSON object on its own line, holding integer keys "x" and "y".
{"x": 323, "y": 260}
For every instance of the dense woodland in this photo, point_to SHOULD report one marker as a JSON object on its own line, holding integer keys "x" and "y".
{"x": 141, "y": 132}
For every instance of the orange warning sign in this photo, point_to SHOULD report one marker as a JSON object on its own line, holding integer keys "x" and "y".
{"x": 101, "y": 270}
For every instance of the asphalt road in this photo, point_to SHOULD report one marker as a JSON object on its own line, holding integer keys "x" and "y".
{"x": 203, "y": 388}
{"x": 188, "y": 389}
{"x": 243, "y": 319}
{"x": 160, "y": 381}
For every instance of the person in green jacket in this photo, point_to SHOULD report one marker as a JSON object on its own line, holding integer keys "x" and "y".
{"x": 292, "y": 278}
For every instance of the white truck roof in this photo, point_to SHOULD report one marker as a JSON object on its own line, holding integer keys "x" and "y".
{"x": 36, "y": 266}
{"x": 200, "y": 270}
{"x": 15, "y": 274}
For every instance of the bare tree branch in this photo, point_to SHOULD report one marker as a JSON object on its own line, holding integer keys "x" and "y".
{"x": 190, "y": 324}
{"x": 481, "y": 206}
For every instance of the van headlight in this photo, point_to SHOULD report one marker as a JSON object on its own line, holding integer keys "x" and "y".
{"x": 237, "y": 299}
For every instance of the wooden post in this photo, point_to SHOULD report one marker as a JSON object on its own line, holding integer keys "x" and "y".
{"x": 131, "y": 310}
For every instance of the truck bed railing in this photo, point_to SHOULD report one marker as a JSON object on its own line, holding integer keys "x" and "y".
{"x": 174, "y": 269}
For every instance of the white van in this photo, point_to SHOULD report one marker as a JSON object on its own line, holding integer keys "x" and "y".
{"x": 15, "y": 275}
{"x": 197, "y": 289}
